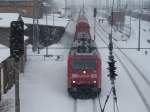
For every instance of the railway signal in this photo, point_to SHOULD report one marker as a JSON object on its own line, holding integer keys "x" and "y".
{"x": 95, "y": 12}
{"x": 94, "y": 15}
{"x": 17, "y": 39}
{"x": 112, "y": 70}
{"x": 16, "y": 51}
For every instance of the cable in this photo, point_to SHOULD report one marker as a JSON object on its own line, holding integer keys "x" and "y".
{"x": 112, "y": 17}
{"x": 117, "y": 106}
{"x": 145, "y": 102}
{"x": 134, "y": 83}
{"x": 107, "y": 99}
{"x": 114, "y": 105}
{"x": 99, "y": 100}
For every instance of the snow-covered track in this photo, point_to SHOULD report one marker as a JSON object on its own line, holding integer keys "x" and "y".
{"x": 127, "y": 70}
{"x": 102, "y": 28}
{"x": 75, "y": 105}
{"x": 137, "y": 68}
{"x": 143, "y": 76}
{"x": 84, "y": 105}
{"x": 134, "y": 83}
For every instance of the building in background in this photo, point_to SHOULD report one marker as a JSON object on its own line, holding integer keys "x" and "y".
{"x": 26, "y": 8}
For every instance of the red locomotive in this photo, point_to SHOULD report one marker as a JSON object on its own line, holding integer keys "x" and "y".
{"x": 84, "y": 63}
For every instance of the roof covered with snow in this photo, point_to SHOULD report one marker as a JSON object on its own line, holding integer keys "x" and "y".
{"x": 52, "y": 20}
{"x": 19, "y": 0}
{"x": 7, "y": 18}
{"x": 4, "y": 53}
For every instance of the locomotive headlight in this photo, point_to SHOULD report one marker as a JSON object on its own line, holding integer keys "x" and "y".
{"x": 94, "y": 82}
{"x": 84, "y": 72}
{"x": 73, "y": 82}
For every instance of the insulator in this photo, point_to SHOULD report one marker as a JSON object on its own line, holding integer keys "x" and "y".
{"x": 111, "y": 57}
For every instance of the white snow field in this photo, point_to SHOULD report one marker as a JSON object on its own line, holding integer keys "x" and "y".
{"x": 129, "y": 100}
{"x": 43, "y": 86}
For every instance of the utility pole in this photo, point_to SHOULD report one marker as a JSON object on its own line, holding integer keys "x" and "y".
{"x": 94, "y": 28}
{"x": 66, "y": 7}
{"x": 33, "y": 40}
{"x": 139, "y": 39}
{"x": 35, "y": 28}
{"x": 47, "y": 30}
{"x": 95, "y": 13}
{"x": 38, "y": 40}
{"x": 71, "y": 8}
{"x": 130, "y": 24}
{"x": 140, "y": 15}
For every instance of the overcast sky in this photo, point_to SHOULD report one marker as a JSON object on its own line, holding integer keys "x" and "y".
{"x": 94, "y": 2}
{"x": 76, "y": 2}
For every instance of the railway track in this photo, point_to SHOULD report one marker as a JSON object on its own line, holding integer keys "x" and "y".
{"x": 144, "y": 100}
{"x": 129, "y": 60}
{"x": 85, "y": 105}
{"x": 127, "y": 70}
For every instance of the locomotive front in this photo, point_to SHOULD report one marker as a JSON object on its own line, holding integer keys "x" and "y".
{"x": 84, "y": 63}
{"x": 84, "y": 76}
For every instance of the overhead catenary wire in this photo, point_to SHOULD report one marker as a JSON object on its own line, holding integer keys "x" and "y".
{"x": 113, "y": 90}
{"x": 140, "y": 93}
{"x": 135, "y": 85}
{"x": 132, "y": 79}
{"x": 99, "y": 101}
{"x": 147, "y": 81}
{"x": 131, "y": 62}
{"x": 108, "y": 96}
{"x": 112, "y": 69}
{"x": 112, "y": 73}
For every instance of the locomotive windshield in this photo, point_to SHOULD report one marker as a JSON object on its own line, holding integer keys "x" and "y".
{"x": 84, "y": 64}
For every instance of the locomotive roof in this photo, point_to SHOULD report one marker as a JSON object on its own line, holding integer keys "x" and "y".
{"x": 83, "y": 35}
{"x": 84, "y": 48}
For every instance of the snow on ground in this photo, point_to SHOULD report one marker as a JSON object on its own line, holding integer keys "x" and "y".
{"x": 43, "y": 86}
{"x": 132, "y": 42}
{"x": 141, "y": 58}
{"x": 128, "y": 98}
{"x": 8, "y": 102}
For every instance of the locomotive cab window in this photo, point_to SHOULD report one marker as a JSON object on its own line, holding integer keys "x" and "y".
{"x": 84, "y": 64}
